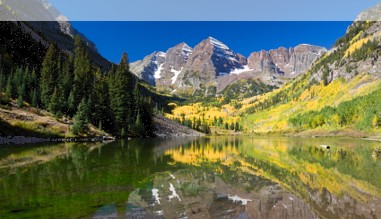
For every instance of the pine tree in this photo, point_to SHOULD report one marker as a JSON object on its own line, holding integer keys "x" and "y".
{"x": 55, "y": 105}
{"x": 325, "y": 76}
{"x": 137, "y": 99}
{"x": 80, "y": 119}
{"x": 67, "y": 77}
{"x": 236, "y": 127}
{"x": 232, "y": 126}
{"x": 21, "y": 90}
{"x": 3, "y": 81}
{"x": 10, "y": 89}
{"x": 101, "y": 101}
{"x": 49, "y": 74}
{"x": 35, "y": 98}
{"x": 71, "y": 104}
{"x": 146, "y": 116}
{"x": 20, "y": 101}
{"x": 138, "y": 127}
{"x": 33, "y": 86}
{"x": 121, "y": 96}
{"x": 83, "y": 77}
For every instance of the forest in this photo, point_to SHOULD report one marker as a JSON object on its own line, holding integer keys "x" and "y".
{"x": 72, "y": 87}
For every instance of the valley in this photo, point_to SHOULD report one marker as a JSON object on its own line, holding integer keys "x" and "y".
{"x": 305, "y": 90}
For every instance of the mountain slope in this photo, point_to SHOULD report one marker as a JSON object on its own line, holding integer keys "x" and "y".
{"x": 45, "y": 24}
{"x": 327, "y": 98}
{"x": 338, "y": 95}
{"x": 212, "y": 66}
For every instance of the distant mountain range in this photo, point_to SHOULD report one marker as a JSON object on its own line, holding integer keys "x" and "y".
{"x": 211, "y": 66}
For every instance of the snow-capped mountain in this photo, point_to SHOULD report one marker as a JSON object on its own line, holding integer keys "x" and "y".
{"x": 149, "y": 69}
{"x": 163, "y": 68}
{"x": 211, "y": 66}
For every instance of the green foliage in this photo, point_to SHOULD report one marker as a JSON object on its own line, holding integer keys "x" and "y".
{"x": 83, "y": 74}
{"x": 342, "y": 46}
{"x": 10, "y": 89}
{"x": 121, "y": 95}
{"x": 365, "y": 51}
{"x": 325, "y": 76}
{"x": 80, "y": 119}
{"x": 115, "y": 101}
{"x": 55, "y": 104}
{"x": 20, "y": 101}
{"x": 35, "y": 98}
{"x": 355, "y": 29}
{"x": 3, "y": 81}
{"x": 361, "y": 112}
{"x": 282, "y": 96}
{"x": 245, "y": 89}
{"x": 49, "y": 74}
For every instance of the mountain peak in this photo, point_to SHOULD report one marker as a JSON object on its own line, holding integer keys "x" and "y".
{"x": 217, "y": 43}
{"x": 160, "y": 54}
{"x": 184, "y": 47}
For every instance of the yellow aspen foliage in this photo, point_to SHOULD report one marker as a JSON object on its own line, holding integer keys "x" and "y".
{"x": 375, "y": 121}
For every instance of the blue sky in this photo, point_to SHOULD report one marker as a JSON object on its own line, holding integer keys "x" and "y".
{"x": 139, "y": 39}
{"x": 142, "y": 38}
{"x": 211, "y": 10}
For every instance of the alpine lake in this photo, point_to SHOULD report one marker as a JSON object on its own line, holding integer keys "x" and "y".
{"x": 210, "y": 177}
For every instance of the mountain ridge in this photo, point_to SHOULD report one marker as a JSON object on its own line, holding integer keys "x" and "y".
{"x": 211, "y": 66}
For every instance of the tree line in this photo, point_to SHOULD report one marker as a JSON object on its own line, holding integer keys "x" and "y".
{"x": 71, "y": 86}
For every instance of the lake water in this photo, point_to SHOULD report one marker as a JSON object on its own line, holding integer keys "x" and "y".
{"x": 217, "y": 177}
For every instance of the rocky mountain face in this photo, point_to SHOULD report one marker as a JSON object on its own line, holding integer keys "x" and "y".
{"x": 371, "y": 14}
{"x": 212, "y": 66}
{"x": 287, "y": 62}
{"x": 146, "y": 68}
{"x": 357, "y": 52}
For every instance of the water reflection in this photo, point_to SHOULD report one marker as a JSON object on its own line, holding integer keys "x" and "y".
{"x": 222, "y": 177}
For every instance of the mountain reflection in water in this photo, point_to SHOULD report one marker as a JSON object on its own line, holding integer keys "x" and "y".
{"x": 218, "y": 177}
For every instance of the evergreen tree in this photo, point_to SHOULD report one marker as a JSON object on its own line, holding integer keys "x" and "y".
{"x": 21, "y": 90}
{"x": 325, "y": 76}
{"x": 10, "y": 89}
{"x": 146, "y": 116}
{"x": 121, "y": 96}
{"x": 137, "y": 99}
{"x": 33, "y": 86}
{"x": 3, "y": 81}
{"x": 20, "y": 101}
{"x": 232, "y": 126}
{"x": 80, "y": 119}
{"x": 236, "y": 127}
{"x": 49, "y": 74}
{"x": 226, "y": 126}
{"x": 138, "y": 127}
{"x": 198, "y": 124}
{"x": 83, "y": 78}
{"x": 55, "y": 105}
{"x": 35, "y": 98}
{"x": 101, "y": 101}
{"x": 71, "y": 104}
{"x": 67, "y": 77}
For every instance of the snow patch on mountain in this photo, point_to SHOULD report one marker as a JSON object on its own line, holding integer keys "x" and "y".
{"x": 218, "y": 43}
{"x": 242, "y": 70}
{"x": 157, "y": 73}
{"x": 161, "y": 54}
{"x": 174, "y": 78}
